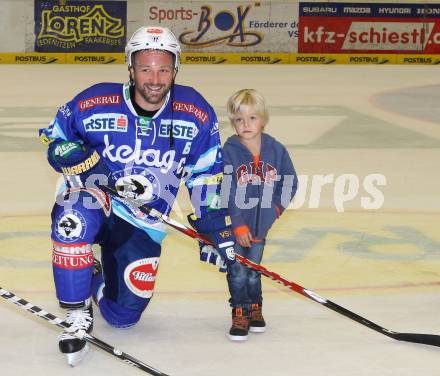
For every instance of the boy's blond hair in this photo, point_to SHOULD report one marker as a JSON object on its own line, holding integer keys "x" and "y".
{"x": 247, "y": 97}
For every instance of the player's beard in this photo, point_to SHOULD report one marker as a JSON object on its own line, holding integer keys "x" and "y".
{"x": 154, "y": 97}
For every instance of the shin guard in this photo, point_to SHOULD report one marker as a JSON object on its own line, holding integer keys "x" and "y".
{"x": 72, "y": 270}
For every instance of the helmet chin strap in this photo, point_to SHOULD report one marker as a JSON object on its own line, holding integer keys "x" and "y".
{"x": 130, "y": 78}
{"x": 172, "y": 112}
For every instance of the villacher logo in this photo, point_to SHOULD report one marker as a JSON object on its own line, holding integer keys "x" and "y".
{"x": 140, "y": 276}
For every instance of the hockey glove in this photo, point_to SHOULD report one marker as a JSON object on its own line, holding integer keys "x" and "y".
{"x": 77, "y": 162}
{"x": 216, "y": 227}
{"x": 209, "y": 254}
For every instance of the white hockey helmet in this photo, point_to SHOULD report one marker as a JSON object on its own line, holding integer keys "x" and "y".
{"x": 155, "y": 38}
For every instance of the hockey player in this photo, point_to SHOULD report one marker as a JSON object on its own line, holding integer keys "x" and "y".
{"x": 141, "y": 138}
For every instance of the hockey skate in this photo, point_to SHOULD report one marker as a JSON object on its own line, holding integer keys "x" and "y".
{"x": 256, "y": 319}
{"x": 80, "y": 318}
{"x": 240, "y": 324}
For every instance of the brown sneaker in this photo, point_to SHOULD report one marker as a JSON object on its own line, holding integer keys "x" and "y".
{"x": 240, "y": 324}
{"x": 257, "y": 323}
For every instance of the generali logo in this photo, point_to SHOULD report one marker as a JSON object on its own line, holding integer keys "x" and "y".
{"x": 102, "y": 100}
{"x": 190, "y": 108}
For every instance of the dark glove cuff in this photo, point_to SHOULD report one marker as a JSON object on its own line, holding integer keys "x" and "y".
{"x": 210, "y": 222}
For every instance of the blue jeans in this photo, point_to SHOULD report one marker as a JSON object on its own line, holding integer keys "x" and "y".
{"x": 245, "y": 284}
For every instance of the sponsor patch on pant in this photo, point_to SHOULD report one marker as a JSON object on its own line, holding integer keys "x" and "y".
{"x": 140, "y": 276}
{"x": 70, "y": 226}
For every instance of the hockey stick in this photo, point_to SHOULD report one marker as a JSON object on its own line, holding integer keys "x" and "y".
{"x": 37, "y": 311}
{"x": 425, "y": 339}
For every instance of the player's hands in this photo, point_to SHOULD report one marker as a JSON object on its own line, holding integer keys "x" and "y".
{"x": 216, "y": 227}
{"x": 245, "y": 239}
{"x": 209, "y": 254}
{"x": 65, "y": 154}
{"x": 78, "y": 162}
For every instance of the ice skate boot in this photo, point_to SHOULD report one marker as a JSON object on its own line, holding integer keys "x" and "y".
{"x": 80, "y": 318}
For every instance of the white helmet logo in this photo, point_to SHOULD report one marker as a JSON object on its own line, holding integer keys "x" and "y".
{"x": 153, "y": 30}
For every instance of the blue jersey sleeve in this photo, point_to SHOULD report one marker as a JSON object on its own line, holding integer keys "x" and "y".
{"x": 63, "y": 126}
{"x": 205, "y": 168}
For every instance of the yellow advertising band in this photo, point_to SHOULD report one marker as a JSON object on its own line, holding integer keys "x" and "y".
{"x": 224, "y": 58}
{"x": 61, "y": 58}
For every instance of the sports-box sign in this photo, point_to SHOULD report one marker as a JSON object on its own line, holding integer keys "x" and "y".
{"x": 228, "y": 26}
{"x": 80, "y": 26}
{"x": 372, "y": 28}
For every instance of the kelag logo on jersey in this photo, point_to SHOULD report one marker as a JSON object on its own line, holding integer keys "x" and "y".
{"x": 184, "y": 130}
{"x": 232, "y": 26}
{"x": 111, "y": 122}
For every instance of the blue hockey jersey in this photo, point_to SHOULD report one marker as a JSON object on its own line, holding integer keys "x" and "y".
{"x": 153, "y": 156}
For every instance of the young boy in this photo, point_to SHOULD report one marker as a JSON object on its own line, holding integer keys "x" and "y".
{"x": 263, "y": 184}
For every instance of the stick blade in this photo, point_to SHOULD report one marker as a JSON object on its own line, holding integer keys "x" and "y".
{"x": 424, "y": 339}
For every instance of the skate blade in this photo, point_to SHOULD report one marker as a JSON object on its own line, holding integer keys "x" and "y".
{"x": 73, "y": 359}
{"x": 257, "y": 329}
